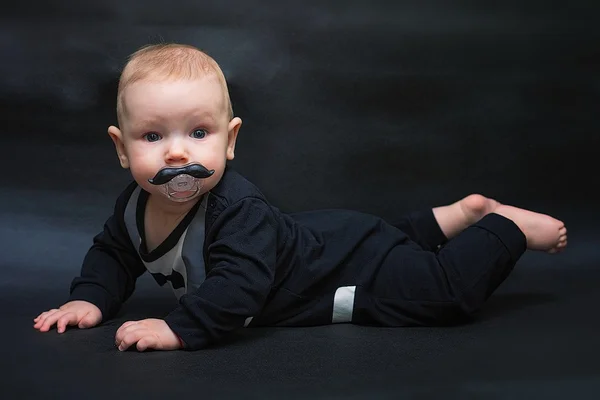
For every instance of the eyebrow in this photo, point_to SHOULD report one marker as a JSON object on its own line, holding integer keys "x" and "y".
{"x": 204, "y": 115}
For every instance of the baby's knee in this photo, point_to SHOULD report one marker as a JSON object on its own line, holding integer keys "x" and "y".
{"x": 454, "y": 311}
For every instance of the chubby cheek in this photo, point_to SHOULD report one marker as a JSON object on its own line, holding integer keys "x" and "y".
{"x": 142, "y": 168}
{"x": 141, "y": 174}
{"x": 219, "y": 166}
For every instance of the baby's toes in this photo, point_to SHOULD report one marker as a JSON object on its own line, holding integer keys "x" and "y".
{"x": 560, "y": 246}
{"x": 561, "y": 243}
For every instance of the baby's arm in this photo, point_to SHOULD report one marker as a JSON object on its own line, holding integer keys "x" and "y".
{"x": 241, "y": 270}
{"x": 108, "y": 274}
{"x": 110, "y": 269}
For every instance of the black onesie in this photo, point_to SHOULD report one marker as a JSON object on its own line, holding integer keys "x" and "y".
{"x": 235, "y": 260}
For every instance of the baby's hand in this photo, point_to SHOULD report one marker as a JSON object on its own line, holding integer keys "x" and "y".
{"x": 78, "y": 312}
{"x": 148, "y": 333}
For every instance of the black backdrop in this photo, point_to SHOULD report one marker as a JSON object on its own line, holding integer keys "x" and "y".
{"x": 377, "y": 106}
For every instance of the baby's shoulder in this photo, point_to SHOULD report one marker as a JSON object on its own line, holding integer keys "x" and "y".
{"x": 233, "y": 187}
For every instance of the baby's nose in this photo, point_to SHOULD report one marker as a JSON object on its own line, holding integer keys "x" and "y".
{"x": 176, "y": 152}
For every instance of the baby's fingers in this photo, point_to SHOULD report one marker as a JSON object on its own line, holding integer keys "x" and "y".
{"x": 68, "y": 318}
{"x": 147, "y": 342}
{"x": 42, "y": 318}
{"x": 50, "y": 320}
{"x": 131, "y": 338}
{"x": 44, "y": 314}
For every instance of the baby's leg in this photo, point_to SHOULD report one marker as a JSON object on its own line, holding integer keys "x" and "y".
{"x": 433, "y": 227}
{"x": 413, "y": 286}
{"x": 422, "y": 228}
{"x": 542, "y": 231}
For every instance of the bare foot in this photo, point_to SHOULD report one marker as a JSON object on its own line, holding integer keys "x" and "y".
{"x": 542, "y": 231}
{"x": 476, "y": 206}
{"x": 456, "y": 217}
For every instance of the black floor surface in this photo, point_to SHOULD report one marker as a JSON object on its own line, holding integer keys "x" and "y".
{"x": 536, "y": 338}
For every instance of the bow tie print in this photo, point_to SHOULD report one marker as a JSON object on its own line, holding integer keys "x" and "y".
{"x": 175, "y": 278}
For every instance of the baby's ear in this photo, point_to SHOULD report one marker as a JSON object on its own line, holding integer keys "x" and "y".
{"x": 232, "y": 132}
{"x": 117, "y": 137}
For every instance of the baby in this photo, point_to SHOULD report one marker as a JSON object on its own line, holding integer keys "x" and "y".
{"x": 234, "y": 260}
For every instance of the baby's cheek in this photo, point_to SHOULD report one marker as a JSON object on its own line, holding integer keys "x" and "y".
{"x": 141, "y": 173}
{"x": 136, "y": 171}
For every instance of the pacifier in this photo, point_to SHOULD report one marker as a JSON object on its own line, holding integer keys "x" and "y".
{"x": 176, "y": 187}
{"x": 182, "y": 183}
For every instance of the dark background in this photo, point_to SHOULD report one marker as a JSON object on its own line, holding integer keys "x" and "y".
{"x": 382, "y": 107}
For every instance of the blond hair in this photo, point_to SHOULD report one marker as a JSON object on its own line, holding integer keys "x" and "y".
{"x": 169, "y": 61}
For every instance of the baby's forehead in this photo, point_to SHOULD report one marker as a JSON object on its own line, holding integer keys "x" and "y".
{"x": 204, "y": 84}
{"x": 205, "y": 92}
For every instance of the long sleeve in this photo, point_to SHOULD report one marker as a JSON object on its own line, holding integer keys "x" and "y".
{"x": 111, "y": 266}
{"x": 241, "y": 269}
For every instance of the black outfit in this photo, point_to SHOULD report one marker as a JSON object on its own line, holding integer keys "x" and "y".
{"x": 235, "y": 260}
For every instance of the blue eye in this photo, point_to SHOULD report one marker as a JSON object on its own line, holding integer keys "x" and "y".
{"x": 199, "y": 134}
{"x": 152, "y": 136}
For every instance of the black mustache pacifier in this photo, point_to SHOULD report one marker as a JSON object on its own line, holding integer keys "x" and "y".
{"x": 177, "y": 181}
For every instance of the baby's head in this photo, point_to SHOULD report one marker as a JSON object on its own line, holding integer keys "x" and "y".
{"x": 163, "y": 62}
{"x": 174, "y": 110}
